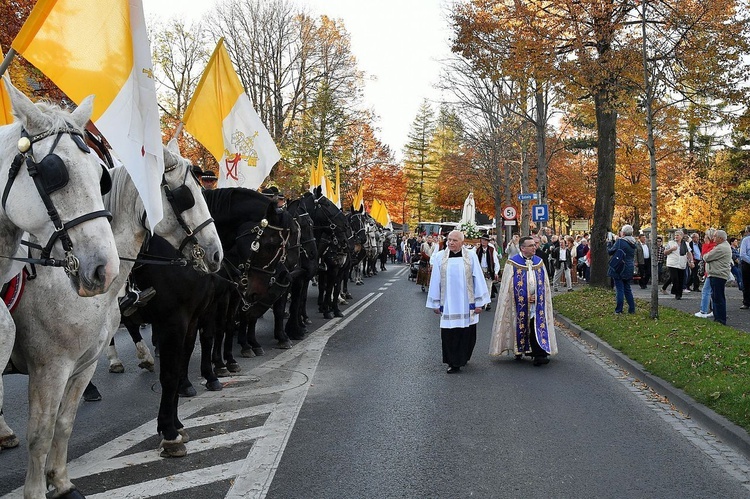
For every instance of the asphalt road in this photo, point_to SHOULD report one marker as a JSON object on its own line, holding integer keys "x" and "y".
{"x": 363, "y": 408}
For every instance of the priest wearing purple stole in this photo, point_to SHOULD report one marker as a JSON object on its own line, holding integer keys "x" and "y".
{"x": 523, "y": 320}
{"x": 457, "y": 293}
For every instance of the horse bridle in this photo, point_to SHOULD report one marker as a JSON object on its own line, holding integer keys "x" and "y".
{"x": 49, "y": 175}
{"x": 332, "y": 226}
{"x": 181, "y": 199}
{"x": 256, "y": 232}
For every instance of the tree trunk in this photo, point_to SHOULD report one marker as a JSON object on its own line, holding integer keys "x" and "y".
{"x": 541, "y": 145}
{"x": 606, "y": 124}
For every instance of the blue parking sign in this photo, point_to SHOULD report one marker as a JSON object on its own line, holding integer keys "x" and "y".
{"x": 540, "y": 213}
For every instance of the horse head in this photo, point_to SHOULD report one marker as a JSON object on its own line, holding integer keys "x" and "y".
{"x": 308, "y": 245}
{"x": 53, "y": 191}
{"x": 188, "y": 225}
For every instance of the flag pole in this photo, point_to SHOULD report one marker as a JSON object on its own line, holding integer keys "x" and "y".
{"x": 178, "y": 130}
{"x": 7, "y": 60}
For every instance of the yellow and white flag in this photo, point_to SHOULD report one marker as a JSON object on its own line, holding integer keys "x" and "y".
{"x": 336, "y": 199}
{"x": 6, "y": 116}
{"x": 100, "y": 47}
{"x": 359, "y": 200}
{"x": 221, "y": 117}
{"x": 379, "y": 212}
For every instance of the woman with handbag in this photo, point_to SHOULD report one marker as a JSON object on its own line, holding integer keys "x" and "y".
{"x": 621, "y": 268}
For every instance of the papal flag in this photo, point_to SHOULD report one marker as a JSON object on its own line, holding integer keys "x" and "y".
{"x": 359, "y": 200}
{"x": 221, "y": 117}
{"x": 6, "y": 117}
{"x": 379, "y": 212}
{"x": 100, "y": 47}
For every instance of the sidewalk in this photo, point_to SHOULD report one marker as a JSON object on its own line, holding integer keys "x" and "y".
{"x": 729, "y": 432}
{"x": 690, "y": 303}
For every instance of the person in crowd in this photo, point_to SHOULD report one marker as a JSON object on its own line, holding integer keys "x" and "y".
{"x": 719, "y": 262}
{"x": 696, "y": 249}
{"x": 734, "y": 243}
{"x": 582, "y": 251}
{"x": 512, "y": 247}
{"x": 709, "y": 243}
{"x": 208, "y": 179}
{"x": 457, "y": 293}
{"x": 399, "y": 248}
{"x": 426, "y": 251}
{"x": 562, "y": 258}
{"x": 524, "y": 322}
{"x": 644, "y": 265}
{"x": 548, "y": 245}
{"x": 622, "y": 277}
{"x": 661, "y": 260}
{"x": 676, "y": 252}
{"x": 490, "y": 264}
{"x": 745, "y": 264}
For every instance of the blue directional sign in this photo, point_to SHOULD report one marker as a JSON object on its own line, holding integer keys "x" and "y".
{"x": 526, "y": 197}
{"x": 540, "y": 213}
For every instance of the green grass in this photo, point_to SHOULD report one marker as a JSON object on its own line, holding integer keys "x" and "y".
{"x": 708, "y": 361}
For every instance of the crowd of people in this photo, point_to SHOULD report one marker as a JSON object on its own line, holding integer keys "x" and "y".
{"x": 467, "y": 279}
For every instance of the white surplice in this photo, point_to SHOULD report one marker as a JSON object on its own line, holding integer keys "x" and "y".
{"x": 457, "y": 311}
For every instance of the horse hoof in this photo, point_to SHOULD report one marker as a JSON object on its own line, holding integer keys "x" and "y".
{"x": 284, "y": 345}
{"x": 338, "y": 314}
{"x": 214, "y": 386}
{"x": 9, "y": 442}
{"x": 147, "y": 365}
{"x": 221, "y": 372}
{"x": 184, "y": 434}
{"x": 73, "y": 493}
{"x": 117, "y": 368}
{"x": 187, "y": 391}
{"x": 247, "y": 353}
{"x": 308, "y": 321}
{"x": 297, "y": 337}
{"x": 259, "y": 351}
{"x": 348, "y": 296}
{"x": 360, "y": 283}
{"x": 328, "y": 315}
{"x": 173, "y": 448}
{"x": 91, "y": 394}
{"x": 233, "y": 367}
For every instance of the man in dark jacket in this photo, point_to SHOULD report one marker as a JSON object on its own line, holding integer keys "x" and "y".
{"x": 623, "y": 274}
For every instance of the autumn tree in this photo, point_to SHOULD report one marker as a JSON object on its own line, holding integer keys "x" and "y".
{"x": 419, "y": 162}
{"x": 180, "y": 54}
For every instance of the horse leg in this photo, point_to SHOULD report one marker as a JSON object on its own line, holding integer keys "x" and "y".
{"x": 303, "y": 304}
{"x": 232, "y": 365}
{"x": 292, "y": 328}
{"x": 142, "y": 352}
{"x": 45, "y": 393}
{"x": 279, "y": 306}
{"x": 57, "y": 460}
{"x": 115, "y": 364}
{"x": 336, "y": 294}
{"x": 172, "y": 351}
{"x": 220, "y": 369}
{"x": 8, "y": 439}
{"x": 212, "y": 381}
{"x": 251, "y": 338}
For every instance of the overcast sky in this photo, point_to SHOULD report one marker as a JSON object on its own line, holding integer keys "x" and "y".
{"x": 397, "y": 43}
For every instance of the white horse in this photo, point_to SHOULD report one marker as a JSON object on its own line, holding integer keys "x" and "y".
{"x": 59, "y": 341}
{"x": 52, "y": 190}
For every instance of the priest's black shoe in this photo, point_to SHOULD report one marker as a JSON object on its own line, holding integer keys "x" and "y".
{"x": 453, "y": 370}
{"x": 541, "y": 360}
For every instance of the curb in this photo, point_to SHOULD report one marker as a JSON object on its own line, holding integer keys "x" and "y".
{"x": 730, "y": 433}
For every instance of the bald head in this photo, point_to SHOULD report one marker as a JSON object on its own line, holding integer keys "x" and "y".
{"x": 455, "y": 240}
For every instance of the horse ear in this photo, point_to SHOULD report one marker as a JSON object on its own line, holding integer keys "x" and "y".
{"x": 170, "y": 158}
{"x": 83, "y": 112}
{"x": 23, "y": 109}
{"x": 318, "y": 192}
{"x": 271, "y": 213}
{"x": 173, "y": 146}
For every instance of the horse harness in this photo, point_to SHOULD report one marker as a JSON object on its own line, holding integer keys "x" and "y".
{"x": 49, "y": 175}
{"x": 181, "y": 199}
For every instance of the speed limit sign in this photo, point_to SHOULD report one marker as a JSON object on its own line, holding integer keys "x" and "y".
{"x": 509, "y": 213}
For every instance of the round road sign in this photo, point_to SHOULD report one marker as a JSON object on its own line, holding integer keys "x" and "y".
{"x": 509, "y": 213}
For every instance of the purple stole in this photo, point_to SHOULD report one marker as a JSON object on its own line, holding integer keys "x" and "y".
{"x": 520, "y": 268}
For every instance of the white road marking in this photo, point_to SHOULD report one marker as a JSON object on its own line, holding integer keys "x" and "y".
{"x": 254, "y": 474}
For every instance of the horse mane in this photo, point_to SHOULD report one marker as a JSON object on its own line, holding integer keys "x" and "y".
{"x": 116, "y": 195}
{"x": 221, "y": 201}
{"x": 58, "y": 117}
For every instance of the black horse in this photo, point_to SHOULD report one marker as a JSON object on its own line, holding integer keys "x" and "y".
{"x": 254, "y": 238}
{"x": 332, "y": 233}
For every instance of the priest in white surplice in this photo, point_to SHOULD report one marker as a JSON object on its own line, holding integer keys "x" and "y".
{"x": 457, "y": 293}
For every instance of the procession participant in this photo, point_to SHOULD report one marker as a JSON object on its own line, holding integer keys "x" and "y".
{"x": 719, "y": 261}
{"x": 208, "y": 180}
{"x": 490, "y": 264}
{"x": 524, "y": 324}
{"x": 457, "y": 293}
{"x": 426, "y": 250}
